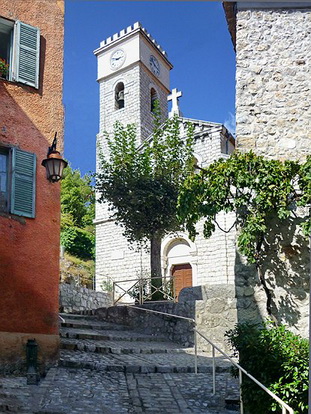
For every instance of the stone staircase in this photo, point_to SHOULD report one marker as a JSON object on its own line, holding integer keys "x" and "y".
{"x": 147, "y": 361}
{"x": 110, "y": 369}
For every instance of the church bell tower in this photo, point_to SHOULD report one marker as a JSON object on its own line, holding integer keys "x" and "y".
{"x": 133, "y": 72}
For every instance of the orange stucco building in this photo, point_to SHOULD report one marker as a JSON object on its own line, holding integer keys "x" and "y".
{"x": 31, "y": 110}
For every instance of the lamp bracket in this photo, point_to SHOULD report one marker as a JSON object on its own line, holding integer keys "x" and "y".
{"x": 52, "y": 148}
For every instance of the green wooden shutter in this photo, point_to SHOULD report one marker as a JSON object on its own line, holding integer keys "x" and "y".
{"x": 23, "y": 183}
{"x": 26, "y": 54}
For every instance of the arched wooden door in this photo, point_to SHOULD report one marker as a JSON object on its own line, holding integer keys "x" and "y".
{"x": 182, "y": 276}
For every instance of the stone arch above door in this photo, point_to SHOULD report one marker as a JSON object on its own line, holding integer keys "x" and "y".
{"x": 179, "y": 250}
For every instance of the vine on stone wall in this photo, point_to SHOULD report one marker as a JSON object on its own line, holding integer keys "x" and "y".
{"x": 259, "y": 191}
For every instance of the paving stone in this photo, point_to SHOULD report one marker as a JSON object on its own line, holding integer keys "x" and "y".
{"x": 96, "y": 375}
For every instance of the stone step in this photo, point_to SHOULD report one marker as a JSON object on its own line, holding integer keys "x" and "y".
{"x": 120, "y": 347}
{"x": 106, "y": 348}
{"x": 108, "y": 335}
{"x": 140, "y": 363}
{"x": 78, "y": 316}
{"x": 92, "y": 324}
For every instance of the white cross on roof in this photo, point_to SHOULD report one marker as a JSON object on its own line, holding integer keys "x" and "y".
{"x": 174, "y": 98}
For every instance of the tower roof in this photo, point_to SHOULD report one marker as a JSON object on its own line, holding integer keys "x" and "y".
{"x": 126, "y": 33}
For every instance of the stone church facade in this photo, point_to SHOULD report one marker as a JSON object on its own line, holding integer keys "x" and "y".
{"x": 273, "y": 117}
{"x": 132, "y": 71}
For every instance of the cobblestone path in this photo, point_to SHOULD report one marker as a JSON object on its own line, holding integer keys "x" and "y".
{"x": 106, "y": 368}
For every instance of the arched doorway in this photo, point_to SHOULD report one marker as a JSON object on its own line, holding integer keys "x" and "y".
{"x": 182, "y": 277}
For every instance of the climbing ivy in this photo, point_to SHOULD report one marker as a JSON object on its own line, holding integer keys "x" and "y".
{"x": 259, "y": 191}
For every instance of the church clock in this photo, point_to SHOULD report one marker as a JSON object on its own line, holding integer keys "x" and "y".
{"x": 117, "y": 59}
{"x": 133, "y": 72}
{"x": 154, "y": 65}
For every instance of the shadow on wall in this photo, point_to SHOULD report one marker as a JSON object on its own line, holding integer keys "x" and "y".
{"x": 29, "y": 249}
{"x": 250, "y": 296}
{"x": 286, "y": 270}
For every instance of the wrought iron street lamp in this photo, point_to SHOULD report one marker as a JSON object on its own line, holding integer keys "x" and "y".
{"x": 54, "y": 163}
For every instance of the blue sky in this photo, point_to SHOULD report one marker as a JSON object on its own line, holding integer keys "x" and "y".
{"x": 198, "y": 44}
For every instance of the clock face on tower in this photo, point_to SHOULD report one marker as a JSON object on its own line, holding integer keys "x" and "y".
{"x": 117, "y": 59}
{"x": 154, "y": 65}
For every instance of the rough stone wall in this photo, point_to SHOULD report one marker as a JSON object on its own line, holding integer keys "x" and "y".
{"x": 273, "y": 91}
{"x": 78, "y": 299}
{"x": 273, "y": 117}
{"x": 216, "y": 255}
{"x": 115, "y": 260}
{"x": 213, "y": 307}
{"x": 287, "y": 274}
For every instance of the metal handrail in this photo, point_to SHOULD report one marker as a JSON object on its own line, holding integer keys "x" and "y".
{"x": 62, "y": 319}
{"x": 286, "y": 409}
{"x": 139, "y": 283}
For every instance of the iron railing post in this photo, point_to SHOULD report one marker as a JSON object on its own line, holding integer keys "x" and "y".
{"x": 141, "y": 299}
{"x": 285, "y": 408}
{"x": 195, "y": 348}
{"x": 214, "y": 371}
{"x": 113, "y": 293}
{"x": 241, "y": 397}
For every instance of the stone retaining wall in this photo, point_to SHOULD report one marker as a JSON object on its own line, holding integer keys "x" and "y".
{"x": 213, "y": 306}
{"x": 78, "y": 299}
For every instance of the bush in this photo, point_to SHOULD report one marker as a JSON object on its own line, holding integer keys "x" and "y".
{"x": 77, "y": 271}
{"x": 278, "y": 359}
{"x": 78, "y": 242}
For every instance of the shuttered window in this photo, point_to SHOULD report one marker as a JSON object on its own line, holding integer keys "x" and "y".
{"x": 26, "y": 54}
{"x": 23, "y": 183}
{"x": 20, "y": 48}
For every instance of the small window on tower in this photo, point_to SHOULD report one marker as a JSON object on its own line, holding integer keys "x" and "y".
{"x": 119, "y": 95}
{"x": 154, "y": 98}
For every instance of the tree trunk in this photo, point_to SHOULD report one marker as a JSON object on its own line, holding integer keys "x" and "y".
{"x": 263, "y": 281}
{"x": 155, "y": 259}
{"x": 268, "y": 294}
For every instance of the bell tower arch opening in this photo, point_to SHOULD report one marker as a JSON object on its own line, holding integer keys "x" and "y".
{"x": 153, "y": 99}
{"x": 119, "y": 95}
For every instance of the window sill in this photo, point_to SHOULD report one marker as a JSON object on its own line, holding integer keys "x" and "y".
{"x": 10, "y": 216}
{"x": 22, "y": 85}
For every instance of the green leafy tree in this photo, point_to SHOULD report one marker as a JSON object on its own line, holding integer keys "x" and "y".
{"x": 77, "y": 213}
{"x": 141, "y": 184}
{"x": 261, "y": 192}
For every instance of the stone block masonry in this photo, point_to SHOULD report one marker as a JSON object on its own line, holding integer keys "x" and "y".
{"x": 273, "y": 117}
{"x": 273, "y": 94}
{"x": 78, "y": 299}
{"x": 214, "y": 307}
{"x": 137, "y": 86}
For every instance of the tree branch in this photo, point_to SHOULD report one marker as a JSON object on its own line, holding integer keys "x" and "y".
{"x": 225, "y": 231}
